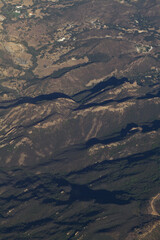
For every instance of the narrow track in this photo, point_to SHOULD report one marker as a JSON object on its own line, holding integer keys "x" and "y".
{"x": 152, "y": 204}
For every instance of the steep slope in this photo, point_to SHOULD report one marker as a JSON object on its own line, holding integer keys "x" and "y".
{"x": 79, "y": 119}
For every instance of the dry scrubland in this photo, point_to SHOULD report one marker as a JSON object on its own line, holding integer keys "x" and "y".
{"x": 79, "y": 119}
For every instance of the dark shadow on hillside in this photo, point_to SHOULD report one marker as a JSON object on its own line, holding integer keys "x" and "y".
{"x": 104, "y": 103}
{"x": 127, "y": 131}
{"x": 84, "y": 193}
{"x": 134, "y": 158}
{"x": 98, "y": 89}
{"x": 150, "y": 95}
{"x": 36, "y": 100}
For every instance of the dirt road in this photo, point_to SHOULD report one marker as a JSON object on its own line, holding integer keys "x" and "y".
{"x": 152, "y": 204}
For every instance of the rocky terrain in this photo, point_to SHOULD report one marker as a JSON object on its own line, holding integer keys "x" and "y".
{"x": 79, "y": 119}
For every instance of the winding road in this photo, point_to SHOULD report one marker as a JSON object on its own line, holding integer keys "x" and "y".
{"x": 152, "y": 204}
